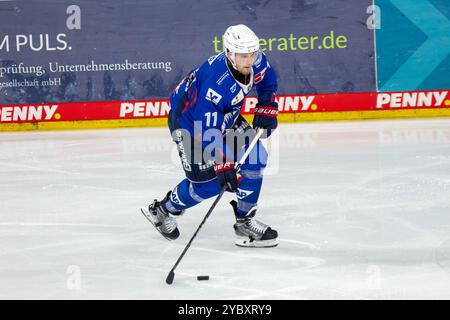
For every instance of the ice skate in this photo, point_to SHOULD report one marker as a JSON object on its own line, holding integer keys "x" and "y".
{"x": 251, "y": 232}
{"x": 161, "y": 219}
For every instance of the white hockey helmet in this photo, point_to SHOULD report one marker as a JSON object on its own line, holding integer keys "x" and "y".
{"x": 240, "y": 39}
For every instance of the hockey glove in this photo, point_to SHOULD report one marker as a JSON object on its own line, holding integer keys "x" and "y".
{"x": 226, "y": 175}
{"x": 266, "y": 116}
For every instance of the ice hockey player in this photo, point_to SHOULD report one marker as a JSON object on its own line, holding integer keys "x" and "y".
{"x": 209, "y": 99}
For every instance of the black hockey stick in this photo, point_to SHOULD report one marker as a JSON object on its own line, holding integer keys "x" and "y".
{"x": 171, "y": 274}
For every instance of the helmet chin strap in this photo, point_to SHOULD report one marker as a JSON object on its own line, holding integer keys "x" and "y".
{"x": 232, "y": 59}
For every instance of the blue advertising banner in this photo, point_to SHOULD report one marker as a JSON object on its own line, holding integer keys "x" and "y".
{"x": 413, "y": 44}
{"x": 113, "y": 50}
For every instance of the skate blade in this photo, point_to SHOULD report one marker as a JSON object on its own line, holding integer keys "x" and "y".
{"x": 249, "y": 243}
{"x": 148, "y": 215}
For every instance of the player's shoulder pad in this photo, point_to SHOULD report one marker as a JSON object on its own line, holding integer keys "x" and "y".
{"x": 216, "y": 59}
{"x": 218, "y": 71}
{"x": 222, "y": 82}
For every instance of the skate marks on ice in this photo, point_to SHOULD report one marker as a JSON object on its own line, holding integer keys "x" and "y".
{"x": 38, "y": 256}
{"x": 368, "y": 219}
{"x": 241, "y": 271}
{"x": 442, "y": 255}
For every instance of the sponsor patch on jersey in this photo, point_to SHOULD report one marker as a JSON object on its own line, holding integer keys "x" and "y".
{"x": 213, "y": 96}
{"x": 241, "y": 193}
{"x": 233, "y": 88}
{"x": 259, "y": 76}
{"x": 174, "y": 197}
{"x": 240, "y": 96}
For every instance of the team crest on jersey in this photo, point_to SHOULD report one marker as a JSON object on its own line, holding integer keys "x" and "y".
{"x": 233, "y": 88}
{"x": 259, "y": 76}
{"x": 240, "y": 96}
{"x": 174, "y": 197}
{"x": 241, "y": 193}
{"x": 213, "y": 96}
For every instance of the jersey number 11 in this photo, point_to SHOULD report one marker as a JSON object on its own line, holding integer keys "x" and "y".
{"x": 208, "y": 118}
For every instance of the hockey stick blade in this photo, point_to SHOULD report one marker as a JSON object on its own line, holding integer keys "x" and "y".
{"x": 170, "y": 276}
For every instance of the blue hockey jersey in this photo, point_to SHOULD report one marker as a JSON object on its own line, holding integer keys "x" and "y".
{"x": 210, "y": 95}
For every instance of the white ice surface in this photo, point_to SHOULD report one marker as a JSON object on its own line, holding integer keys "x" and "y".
{"x": 362, "y": 209}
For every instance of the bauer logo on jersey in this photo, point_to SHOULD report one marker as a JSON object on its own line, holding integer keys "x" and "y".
{"x": 213, "y": 96}
{"x": 233, "y": 88}
{"x": 241, "y": 193}
{"x": 174, "y": 197}
{"x": 240, "y": 96}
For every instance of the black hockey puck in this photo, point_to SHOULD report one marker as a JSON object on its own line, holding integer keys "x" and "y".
{"x": 199, "y": 278}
